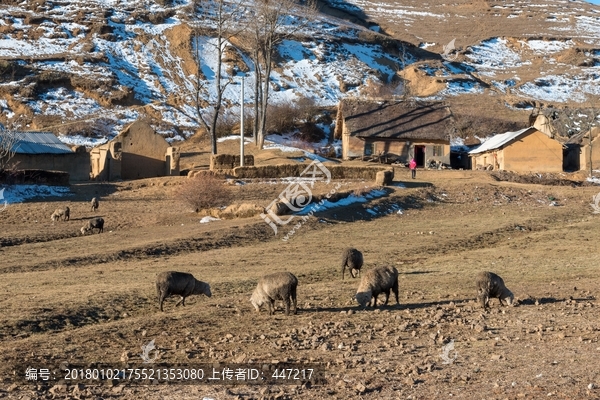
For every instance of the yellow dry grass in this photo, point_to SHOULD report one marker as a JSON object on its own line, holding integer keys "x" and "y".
{"x": 92, "y": 298}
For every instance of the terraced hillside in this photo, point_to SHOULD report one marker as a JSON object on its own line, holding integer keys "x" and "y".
{"x": 85, "y": 69}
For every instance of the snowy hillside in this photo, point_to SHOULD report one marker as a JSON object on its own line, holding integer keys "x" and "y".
{"x": 108, "y": 63}
{"x": 93, "y": 66}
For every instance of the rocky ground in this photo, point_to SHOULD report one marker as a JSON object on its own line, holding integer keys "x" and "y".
{"x": 86, "y": 300}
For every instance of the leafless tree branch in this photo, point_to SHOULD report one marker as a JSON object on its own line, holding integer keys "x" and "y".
{"x": 215, "y": 23}
{"x": 8, "y": 139}
{"x": 272, "y": 22}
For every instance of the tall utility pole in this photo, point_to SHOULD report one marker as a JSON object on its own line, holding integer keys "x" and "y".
{"x": 242, "y": 124}
{"x": 590, "y": 146}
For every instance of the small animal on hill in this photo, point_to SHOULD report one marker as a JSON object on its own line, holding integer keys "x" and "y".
{"x": 353, "y": 259}
{"x": 490, "y": 285}
{"x": 64, "y": 213}
{"x": 94, "y": 223}
{"x": 276, "y": 286}
{"x": 376, "y": 281}
{"x": 94, "y": 204}
{"x": 172, "y": 283}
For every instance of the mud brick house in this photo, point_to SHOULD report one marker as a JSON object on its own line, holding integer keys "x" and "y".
{"x": 583, "y": 151}
{"x": 397, "y": 129}
{"x": 526, "y": 150}
{"x": 44, "y": 151}
{"x": 137, "y": 152}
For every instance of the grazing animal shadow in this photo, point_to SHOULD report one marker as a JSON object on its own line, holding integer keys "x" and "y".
{"x": 413, "y": 306}
{"x": 542, "y": 300}
{"x": 418, "y": 272}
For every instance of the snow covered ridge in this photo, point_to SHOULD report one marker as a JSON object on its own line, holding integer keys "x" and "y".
{"x": 494, "y": 54}
{"x": 505, "y": 64}
{"x": 116, "y": 53}
{"x": 105, "y": 63}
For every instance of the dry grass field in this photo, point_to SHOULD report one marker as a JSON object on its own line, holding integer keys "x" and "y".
{"x": 87, "y": 299}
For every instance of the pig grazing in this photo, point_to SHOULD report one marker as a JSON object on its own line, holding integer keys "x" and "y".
{"x": 61, "y": 213}
{"x": 353, "y": 259}
{"x": 376, "y": 281}
{"x": 179, "y": 283}
{"x": 276, "y": 286}
{"x": 490, "y": 285}
{"x": 94, "y": 223}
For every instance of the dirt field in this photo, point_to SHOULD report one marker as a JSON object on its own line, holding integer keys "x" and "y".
{"x": 92, "y": 299}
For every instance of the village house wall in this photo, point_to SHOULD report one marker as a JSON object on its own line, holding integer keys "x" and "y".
{"x": 136, "y": 153}
{"x": 76, "y": 164}
{"x": 584, "y": 154}
{"x": 494, "y": 158}
{"x": 444, "y": 156}
{"x": 352, "y": 146}
{"x": 394, "y": 128}
{"x": 143, "y": 153}
{"x": 534, "y": 152}
{"x": 404, "y": 149}
{"x": 398, "y": 148}
{"x": 106, "y": 162}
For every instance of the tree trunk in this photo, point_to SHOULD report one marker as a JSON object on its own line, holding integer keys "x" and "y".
{"x": 265, "y": 94}
{"x": 215, "y": 117}
{"x": 257, "y": 80}
{"x": 591, "y": 164}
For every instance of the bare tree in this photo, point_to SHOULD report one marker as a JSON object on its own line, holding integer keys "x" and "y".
{"x": 214, "y": 24}
{"x": 271, "y": 23}
{"x": 397, "y": 86}
{"x": 404, "y": 89}
{"x": 256, "y": 40}
{"x": 8, "y": 140}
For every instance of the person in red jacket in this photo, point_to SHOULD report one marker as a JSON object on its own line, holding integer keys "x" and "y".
{"x": 413, "y": 167}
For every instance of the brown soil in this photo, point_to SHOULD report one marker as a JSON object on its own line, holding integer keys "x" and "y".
{"x": 420, "y": 83}
{"x": 551, "y": 179}
{"x": 92, "y": 299}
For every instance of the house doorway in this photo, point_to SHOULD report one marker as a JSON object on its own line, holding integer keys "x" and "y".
{"x": 420, "y": 156}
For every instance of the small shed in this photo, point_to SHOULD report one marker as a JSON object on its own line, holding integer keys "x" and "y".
{"x": 137, "y": 152}
{"x": 583, "y": 151}
{"x": 44, "y": 151}
{"x": 526, "y": 150}
{"x": 393, "y": 128}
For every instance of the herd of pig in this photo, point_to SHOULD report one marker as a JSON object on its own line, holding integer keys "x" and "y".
{"x": 283, "y": 286}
